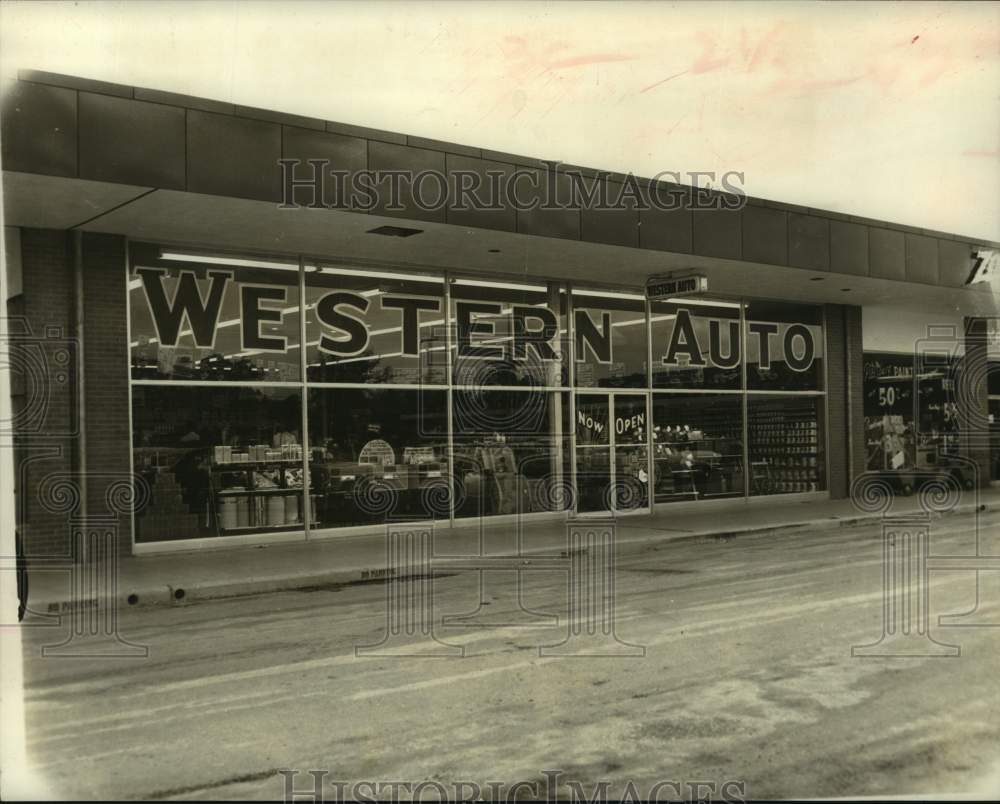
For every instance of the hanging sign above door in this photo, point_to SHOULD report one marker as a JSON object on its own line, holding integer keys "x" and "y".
{"x": 669, "y": 286}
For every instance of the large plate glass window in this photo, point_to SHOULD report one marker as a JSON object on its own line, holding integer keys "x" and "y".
{"x": 508, "y": 334}
{"x": 696, "y": 345}
{"x": 207, "y": 317}
{"x": 509, "y": 447}
{"x": 610, "y": 336}
{"x": 890, "y": 440}
{"x": 219, "y": 460}
{"x": 377, "y": 453}
{"x": 697, "y": 446}
{"x": 784, "y": 346}
{"x": 786, "y": 437}
{"x": 374, "y": 326}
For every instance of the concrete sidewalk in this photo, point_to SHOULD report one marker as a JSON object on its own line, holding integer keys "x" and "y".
{"x": 173, "y": 578}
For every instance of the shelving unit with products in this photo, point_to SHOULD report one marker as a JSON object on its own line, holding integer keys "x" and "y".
{"x": 786, "y": 454}
{"x": 711, "y": 437}
{"x": 259, "y": 488}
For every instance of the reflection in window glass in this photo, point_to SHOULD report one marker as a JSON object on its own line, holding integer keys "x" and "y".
{"x": 784, "y": 345}
{"x": 786, "y": 445}
{"x": 374, "y": 327}
{"x": 377, "y": 453}
{"x": 697, "y": 447}
{"x": 508, "y": 334}
{"x": 509, "y": 452}
{"x": 219, "y": 460}
{"x": 610, "y": 336}
{"x": 216, "y": 319}
{"x": 696, "y": 346}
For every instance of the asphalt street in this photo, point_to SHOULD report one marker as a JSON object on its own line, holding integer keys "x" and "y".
{"x": 746, "y": 676}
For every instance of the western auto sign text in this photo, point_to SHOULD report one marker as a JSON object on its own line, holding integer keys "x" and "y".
{"x": 194, "y": 306}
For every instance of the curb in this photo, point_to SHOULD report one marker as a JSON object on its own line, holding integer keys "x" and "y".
{"x": 167, "y": 595}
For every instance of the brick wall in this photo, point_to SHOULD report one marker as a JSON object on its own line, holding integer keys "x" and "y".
{"x": 855, "y": 355}
{"x": 43, "y": 357}
{"x": 845, "y": 397}
{"x": 106, "y": 376}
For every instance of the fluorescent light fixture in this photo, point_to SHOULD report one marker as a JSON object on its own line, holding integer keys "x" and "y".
{"x": 703, "y": 303}
{"x": 609, "y": 294}
{"x": 482, "y": 283}
{"x": 379, "y": 274}
{"x": 235, "y": 261}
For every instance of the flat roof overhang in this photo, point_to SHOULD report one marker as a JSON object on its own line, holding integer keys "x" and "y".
{"x": 262, "y": 227}
{"x": 152, "y": 165}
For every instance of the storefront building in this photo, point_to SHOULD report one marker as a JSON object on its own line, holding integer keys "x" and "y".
{"x": 264, "y": 371}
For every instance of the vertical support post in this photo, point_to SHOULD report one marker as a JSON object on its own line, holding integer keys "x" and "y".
{"x": 571, "y": 336}
{"x": 649, "y": 406}
{"x": 306, "y": 505}
{"x": 449, "y": 398}
{"x": 745, "y": 402}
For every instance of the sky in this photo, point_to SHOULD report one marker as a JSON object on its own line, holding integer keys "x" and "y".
{"x": 888, "y": 111}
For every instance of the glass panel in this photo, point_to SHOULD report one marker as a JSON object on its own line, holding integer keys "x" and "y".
{"x": 219, "y": 460}
{"x": 784, "y": 345}
{"x": 374, "y": 327}
{"x": 508, "y": 452}
{"x": 610, "y": 336}
{"x": 697, "y": 446}
{"x": 592, "y": 420}
{"x": 993, "y": 378}
{"x": 889, "y": 408}
{"x": 508, "y": 334}
{"x": 377, "y": 453}
{"x": 696, "y": 346}
{"x": 593, "y": 479}
{"x": 994, "y": 419}
{"x": 937, "y": 411}
{"x": 593, "y": 453}
{"x": 631, "y": 453}
{"x": 212, "y": 317}
{"x": 786, "y": 445}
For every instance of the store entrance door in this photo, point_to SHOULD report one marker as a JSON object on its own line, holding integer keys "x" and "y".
{"x": 612, "y": 452}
